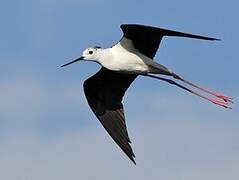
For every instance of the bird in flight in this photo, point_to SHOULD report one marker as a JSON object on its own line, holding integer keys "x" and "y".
{"x": 132, "y": 56}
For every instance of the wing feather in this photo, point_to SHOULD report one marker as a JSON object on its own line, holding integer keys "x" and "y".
{"x": 104, "y": 92}
{"x": 147, "y": 38}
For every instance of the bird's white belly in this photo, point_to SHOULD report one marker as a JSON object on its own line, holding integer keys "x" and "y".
{"x": 125, "y": 61}
{"x": 127, "y": 64}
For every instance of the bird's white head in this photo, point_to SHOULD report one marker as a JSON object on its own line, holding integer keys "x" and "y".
{"x": 89, "y": 54}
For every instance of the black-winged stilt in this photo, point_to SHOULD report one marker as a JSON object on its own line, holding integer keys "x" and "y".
{"x": 121, "y": 64}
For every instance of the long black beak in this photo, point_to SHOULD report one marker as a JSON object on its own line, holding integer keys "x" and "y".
{"x": 81, "y": 58}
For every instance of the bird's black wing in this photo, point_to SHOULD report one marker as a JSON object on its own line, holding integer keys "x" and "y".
{"x": 104, "y": 92}
{"x": 147, "y": 39}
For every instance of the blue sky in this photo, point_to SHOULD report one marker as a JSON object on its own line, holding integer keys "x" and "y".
{"x": 47, "y": 130}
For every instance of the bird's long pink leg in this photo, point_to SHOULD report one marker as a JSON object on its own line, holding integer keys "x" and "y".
{"x": 215, "y": 101}
{"x": 219, "y": 95}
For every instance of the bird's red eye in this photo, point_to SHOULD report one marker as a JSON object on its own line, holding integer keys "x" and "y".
{"x": 90, "y": 52}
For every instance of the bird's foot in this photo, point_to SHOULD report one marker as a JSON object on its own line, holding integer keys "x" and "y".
{"x": 219, "y": 102}
{"x": 224, "y": 98}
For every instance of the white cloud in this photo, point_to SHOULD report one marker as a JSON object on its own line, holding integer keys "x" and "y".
{"x": 170, "y": 150}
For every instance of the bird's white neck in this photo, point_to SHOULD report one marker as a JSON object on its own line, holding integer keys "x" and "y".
{"x": 104, "y": 56}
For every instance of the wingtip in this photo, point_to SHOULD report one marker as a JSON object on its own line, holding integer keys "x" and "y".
{"x": 216, "y": 39}
{"x": 131, "y": 156}
{"x": 133, "y": 160}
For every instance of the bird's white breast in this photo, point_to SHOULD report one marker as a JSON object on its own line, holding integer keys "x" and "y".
{"x": 123, "y": 57}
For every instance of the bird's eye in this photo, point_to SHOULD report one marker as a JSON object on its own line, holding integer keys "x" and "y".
{"x": 90, "y": 52}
